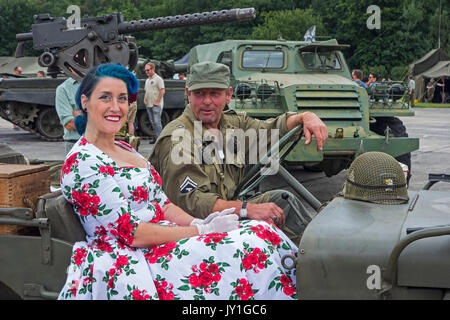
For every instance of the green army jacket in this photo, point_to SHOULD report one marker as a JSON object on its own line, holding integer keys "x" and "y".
{"x": 197, "y": 182}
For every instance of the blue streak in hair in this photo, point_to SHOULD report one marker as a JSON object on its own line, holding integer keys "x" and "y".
{"x": 119, "y": 72}
{"x": 80, "y": 123}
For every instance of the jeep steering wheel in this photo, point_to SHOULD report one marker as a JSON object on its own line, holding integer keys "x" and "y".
{"x": 254, "y": 177}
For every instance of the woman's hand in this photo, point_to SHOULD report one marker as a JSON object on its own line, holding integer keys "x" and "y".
{"x": 219, "y": 223}
{"x": 212, "y": 216}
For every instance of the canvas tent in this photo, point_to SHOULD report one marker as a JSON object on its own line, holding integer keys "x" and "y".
{"x": 434, "y": 65}
{"x": 183, "y": 60}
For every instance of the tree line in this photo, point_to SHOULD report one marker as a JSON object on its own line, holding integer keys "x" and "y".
{"x": 408, "y": 29}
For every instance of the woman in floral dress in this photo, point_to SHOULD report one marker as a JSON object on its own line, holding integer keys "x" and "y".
{"x": 141, "y": 246}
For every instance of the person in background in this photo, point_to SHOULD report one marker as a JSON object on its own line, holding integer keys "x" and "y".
{"x": 431, "y": 87}
{"x": 357, "y": 76}
{"x": 411, "y": 88}
{"x": 440, "y": 85}
{"x": 154, "y": 99}
{"x": 132, "y": 99}
{"x": 18, "y": 70}
{"x": 373, "y": 79}
{"x": 132, "y": 110}
{"x": 67, "y": 110}
{"x": 366, "y": 81}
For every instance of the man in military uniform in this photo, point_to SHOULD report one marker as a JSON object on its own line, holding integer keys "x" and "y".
{"x": 201, "y": 188}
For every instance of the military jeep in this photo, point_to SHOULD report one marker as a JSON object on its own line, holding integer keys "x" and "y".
{"x": 349, "y": 250}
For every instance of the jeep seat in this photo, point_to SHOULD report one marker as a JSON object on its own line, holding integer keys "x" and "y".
{"x": 65, "y": 225}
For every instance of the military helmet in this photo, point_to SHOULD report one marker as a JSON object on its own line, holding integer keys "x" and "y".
{"x": 376, "y": 177}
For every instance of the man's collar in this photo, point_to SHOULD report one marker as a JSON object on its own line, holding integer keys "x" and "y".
{"x": 72, "y": 80}
{"x": 190, "y": 114}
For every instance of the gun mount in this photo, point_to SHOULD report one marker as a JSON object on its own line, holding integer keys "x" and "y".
{"x": 73, "y": 51}
{"x": 29, "y": 102}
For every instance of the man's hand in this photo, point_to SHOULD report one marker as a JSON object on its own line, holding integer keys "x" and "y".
{"x": 312, "y": 125}
{"x": 77, "y": 112}
{"x": 265, "y": 211}
{"x": 70, "y": 125}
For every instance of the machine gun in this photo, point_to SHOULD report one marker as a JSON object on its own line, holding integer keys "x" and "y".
{"x": 73, "y": 51}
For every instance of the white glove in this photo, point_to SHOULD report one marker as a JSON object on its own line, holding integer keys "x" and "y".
{"x": 212, "y": 216}
{"x": 219, "y": 224}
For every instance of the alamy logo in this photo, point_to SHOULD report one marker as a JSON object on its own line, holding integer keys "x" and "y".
{"x": 374, "y": 279}
{"x": 74, "y": 21}
{"x": 374, "y": 21}
{"x": 237, "y": 147}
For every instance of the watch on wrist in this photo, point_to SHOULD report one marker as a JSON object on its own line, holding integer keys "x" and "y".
{"x": 243, "y": 211}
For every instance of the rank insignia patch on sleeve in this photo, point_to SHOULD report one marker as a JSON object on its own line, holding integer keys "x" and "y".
{"x": 188, "y": 185}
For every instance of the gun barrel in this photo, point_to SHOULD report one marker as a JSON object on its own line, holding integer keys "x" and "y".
{"x": 185, "y": 20}
{"x": 24, "y": 36}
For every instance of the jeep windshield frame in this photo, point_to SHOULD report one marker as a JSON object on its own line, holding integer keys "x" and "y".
{"x": 273, "y": 59}
{"x": 321, "y": 57}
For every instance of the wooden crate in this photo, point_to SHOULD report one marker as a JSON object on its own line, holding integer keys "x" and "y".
{"x": 20, "y": 186}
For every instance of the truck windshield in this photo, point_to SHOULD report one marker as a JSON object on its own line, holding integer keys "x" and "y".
{"x": 266, "y": 59}
{"x": 320, "y": 60}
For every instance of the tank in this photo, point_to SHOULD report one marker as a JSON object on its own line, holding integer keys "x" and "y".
{"x": 29, "y": 102}
{"x": 270, "y": 77}
{"x": 70, "y": 52}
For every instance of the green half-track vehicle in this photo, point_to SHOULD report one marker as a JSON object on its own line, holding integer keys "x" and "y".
{"x": 273, "y": 77}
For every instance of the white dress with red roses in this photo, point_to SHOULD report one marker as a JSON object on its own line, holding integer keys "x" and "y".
{"x": 111, "y": 201}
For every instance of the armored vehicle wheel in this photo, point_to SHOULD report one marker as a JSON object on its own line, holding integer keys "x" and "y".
{"x": 175, "y": 114}
{"x": 398, "y": 129}
{"x": 48, "y": 124}
{"x": 144, "y": 124}
{"x": 20, "y": 113}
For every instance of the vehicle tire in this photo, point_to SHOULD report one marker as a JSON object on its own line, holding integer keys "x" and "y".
{"x": 48, "y": 124}
{"x": 165, "y": 118}
{"x": 144, "y": 124}
{"x": 176, "y": 113}
{"x": 398, "y": 129}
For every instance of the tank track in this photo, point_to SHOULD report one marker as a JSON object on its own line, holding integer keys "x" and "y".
{"x": 32, "y": 130}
